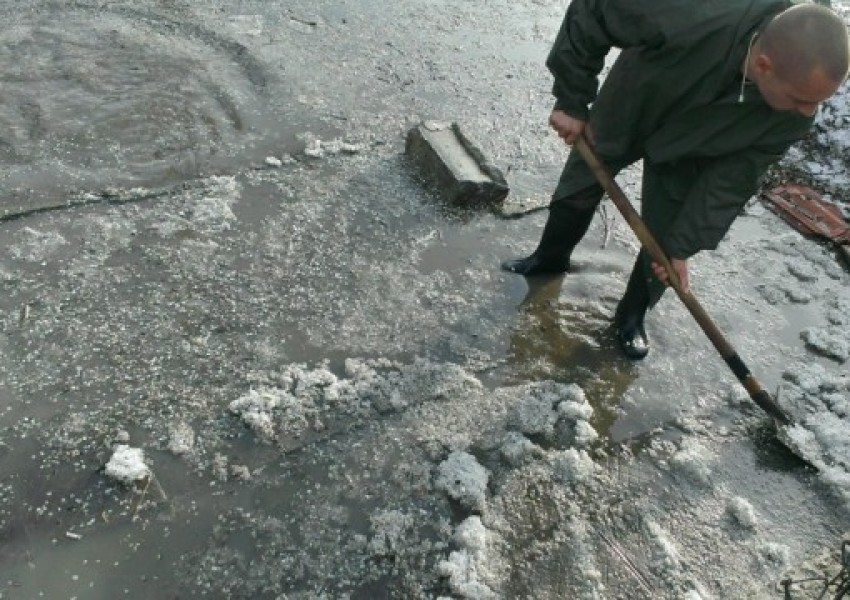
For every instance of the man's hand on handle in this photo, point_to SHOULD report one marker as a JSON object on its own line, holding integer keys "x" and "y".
{"x": 568, "y": 128}
{"x": 681, "y": 268}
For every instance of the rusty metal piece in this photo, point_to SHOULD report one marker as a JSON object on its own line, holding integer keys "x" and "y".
{"x": 805, "y": 210}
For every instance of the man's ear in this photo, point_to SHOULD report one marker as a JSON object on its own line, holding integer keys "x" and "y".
{"x": 763, "y": 64}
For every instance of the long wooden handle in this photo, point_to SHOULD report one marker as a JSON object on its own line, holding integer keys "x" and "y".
{"x": 727, "y": 352}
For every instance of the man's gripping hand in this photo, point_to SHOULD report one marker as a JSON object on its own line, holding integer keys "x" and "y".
{"x": 680, "y": 266}
{"x": 568, "y": 128}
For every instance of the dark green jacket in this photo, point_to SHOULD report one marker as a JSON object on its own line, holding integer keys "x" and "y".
{"x": 671, "y": 98}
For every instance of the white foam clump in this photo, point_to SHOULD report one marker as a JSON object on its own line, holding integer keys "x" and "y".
{"x": 822, "y": 454}
{"x": 213, "y": 212}
{"x": 692, "y": 460}
{"x": 471, "y": 534}
{"x": 464, "y": 566}
{"x": 127, "y": 464}
{"x": 736, "y": 395}
{"x": 534, "y": 413}
{"x": 796, "y": 293}
{"x": 574, "y": 404}
{"x": 831, "y": 431}
{"x": 255, "y": 409}
{"x": 306, "y": 395}
{"x": 543, "y": 404}
{"x": 777, "y": 555}
{"x": 573, "y": 466}
{"x": 838, "y": 404}
{"x": 585, "y": 433}
{"x": 291, "y": 409}
{"x": 518, "y": 450}
{"x": 390, "y": 530}
{"x": 464, "y": 480}
{"x": 36, "y": 246}
{"x": 743, "y": 512}
{"x": 821, "y": 403}
{"x": 838, "y": 312}
{"x": 181, "y": 438}
{"x": 822, "y": 440}
{"x": 803, "y": 270}
{"x": 664, "y": 551}
{"x": 316, "y": 148}
{"x": 831, "y": 342}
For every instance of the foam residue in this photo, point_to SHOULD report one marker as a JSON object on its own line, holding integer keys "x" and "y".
{"x": 464, "y": 480}
{"x": 466, "y": 567}
{"x": 833, "y": 343}
{"x": 819, "y": 402}
{"x": 743, "y": 512}
{"x": 693, "y": 461}
{"x": 127, "y": 464}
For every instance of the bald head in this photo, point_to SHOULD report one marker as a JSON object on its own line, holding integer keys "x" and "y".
{"x": 804, "y": 39}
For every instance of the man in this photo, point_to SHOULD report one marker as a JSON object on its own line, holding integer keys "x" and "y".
{"x": 709, "y": 94}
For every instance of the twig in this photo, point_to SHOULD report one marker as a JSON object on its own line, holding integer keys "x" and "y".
{"x": 304, "y": 21}
{"x": 151, "y": 478}
{"x": 142, "y": 498}
{"x": 159, "y": 488}
{"x": 628, "y": 563}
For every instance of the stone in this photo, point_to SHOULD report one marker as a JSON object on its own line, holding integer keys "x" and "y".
{"x": 447, "y": 160}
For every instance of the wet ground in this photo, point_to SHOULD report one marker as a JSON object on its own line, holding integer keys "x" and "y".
{"x": 337, "y": 392}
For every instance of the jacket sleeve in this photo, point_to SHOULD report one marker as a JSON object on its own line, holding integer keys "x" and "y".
{"x": 589, "y": 30}
{"x": 722, "y": 189}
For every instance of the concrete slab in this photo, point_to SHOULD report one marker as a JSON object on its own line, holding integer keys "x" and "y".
{"x": 448, "y": 160}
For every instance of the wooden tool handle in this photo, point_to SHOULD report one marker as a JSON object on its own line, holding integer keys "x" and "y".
{"x": 727, "y": 352}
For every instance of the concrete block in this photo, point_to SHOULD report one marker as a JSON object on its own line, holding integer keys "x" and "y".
{"x": 449, "y": 161}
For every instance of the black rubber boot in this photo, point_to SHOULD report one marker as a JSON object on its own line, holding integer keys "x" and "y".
{"x": 628, "y": 319}
{"x": 564, "y": 229}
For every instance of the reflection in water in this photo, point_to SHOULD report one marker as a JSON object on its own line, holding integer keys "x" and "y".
{"x": 569, "y": 342}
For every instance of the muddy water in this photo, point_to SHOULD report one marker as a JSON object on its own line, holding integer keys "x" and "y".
{"x": 160, "y": 303}
{"x": 103, "y": 96}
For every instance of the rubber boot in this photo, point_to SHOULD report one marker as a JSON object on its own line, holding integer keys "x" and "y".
{"x": 630, "y": 314}
{"x": 564, "y": 229}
